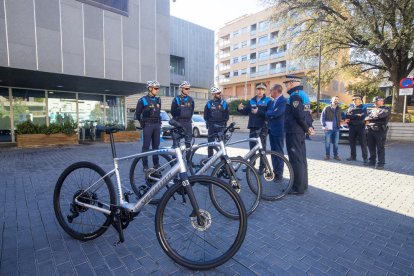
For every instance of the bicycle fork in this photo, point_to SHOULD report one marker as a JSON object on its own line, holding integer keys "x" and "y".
{"x": 189, "y": 190}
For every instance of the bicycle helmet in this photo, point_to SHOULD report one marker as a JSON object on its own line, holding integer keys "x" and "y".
{"x": 215, "y": 90}
{"x": 153, "y": 83}
{"x": 184, "y": 84}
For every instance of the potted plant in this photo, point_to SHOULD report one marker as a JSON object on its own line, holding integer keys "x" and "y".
{"x": 29, "y": 135}
{"x": 130, "y": 134}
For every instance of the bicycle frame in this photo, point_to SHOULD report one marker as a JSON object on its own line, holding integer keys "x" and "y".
{"x": 257, "y": 147}
{"x": 179, "y": 167}
{"x": 214, "y": 158}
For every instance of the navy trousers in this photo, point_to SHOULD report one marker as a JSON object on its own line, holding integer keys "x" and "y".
{"x": 151, "y": 133}
{"x": 277, "y": 144}
{"x": 296, "y": 148}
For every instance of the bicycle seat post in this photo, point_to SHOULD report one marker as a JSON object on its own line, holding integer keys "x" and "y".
{"x": 113, "y": 149}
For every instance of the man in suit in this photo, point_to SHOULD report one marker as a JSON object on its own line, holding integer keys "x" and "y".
{"x": 275, "y": 115}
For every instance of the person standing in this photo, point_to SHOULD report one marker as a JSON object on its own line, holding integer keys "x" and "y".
{"x": 148, "y": 113}
{"x": 331, "y": 123}
{"x": 256, "y": 109}
{"x": 296, "y": 126}
{"x": 275, "y": 116}
{"x": 355, "y": 117}
{"x": 377, "y": 121}
{"x": 182, "y": 110}
{"x": 216, "y": 115}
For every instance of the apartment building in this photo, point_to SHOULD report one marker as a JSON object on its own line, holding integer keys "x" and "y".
{"x": 253, "y": 49}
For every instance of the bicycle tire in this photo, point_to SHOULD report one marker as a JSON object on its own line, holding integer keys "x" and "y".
{"x": 82, "y": 175}
{"x": 195, "y": 165}
{"x": 244, "y": 171}
{"x": 136, "y": 172}
{"x": 176, "y": 228}
{"x": 275, "y": 187}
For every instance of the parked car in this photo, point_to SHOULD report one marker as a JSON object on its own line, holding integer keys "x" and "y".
{"x": 344, "y": 132}
{"x": 199, "y": 126}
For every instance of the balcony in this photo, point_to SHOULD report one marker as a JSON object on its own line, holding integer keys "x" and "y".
{"x": 253, "y": 60}
{"x": 277, "y": 55}
{"x": 272, "y": 41}
{"x": 263, "y": 58}
{"x": 253, "y": 75}
{"x": 253, "y": 32}
{"x": 226, "y": 67}
{"x": 224, "y": 55}
{"x": 262, "y": 73}
{"x": 278, "y": 70}
{"x": 224, "y": 80}
{"x": 253, "y": 46}
{"x": 223, "y": 43}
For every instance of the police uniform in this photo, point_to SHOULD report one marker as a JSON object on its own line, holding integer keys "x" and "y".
{"x": 296, "y": 125}
{"x": 216, "y": 112}
{"x": 356, "y": 124}
{"x": 257, "y": 122}
{"x": 182, "y": 110}
{"x": 377, "y": 120}
{"x": 148, "y": 113}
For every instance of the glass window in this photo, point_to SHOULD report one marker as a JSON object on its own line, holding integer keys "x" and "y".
{"x": 262, "y": 70}
{"x": 243, "y": 71}
{"x": 235, "y": 46}
{"x": 236, "y": 33}
{"x": 91, "y": 108}
{"x": 235, "y": 73}
{"x": 263, "y": 55}
{"x": 263, "y": 40}
{"x": 235, "y": 60}
{"x": 5, "y": 125}
{"x": 177, "y": 65}
{"x": 29, "y": 105}
{"x": 263, "y": 25}
{"x": 164, "y": 116}
{"x": 198, "y": 118}
{"x": 61, "y": 107}
{"x": 118, "y": 6}
{"x": 244, "y": 58}
{"x": 115, "y": 110}
{"x": 243, "y": 44}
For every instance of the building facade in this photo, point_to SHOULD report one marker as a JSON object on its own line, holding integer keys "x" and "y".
{"x": 253, "y": 49}
{"x": 78, "y": 59}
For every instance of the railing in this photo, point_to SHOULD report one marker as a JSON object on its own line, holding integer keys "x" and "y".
{"x": 262, "y": 73}
{"x": 278, "y": 70}
{"x": 253, "y": 75}
{"x": 277, "y": 55}
{"x": 253, "y": 32}
{"x": 224, "y": 55}
{"x": 253, "y": 46}
{"x": 253, "y": 60}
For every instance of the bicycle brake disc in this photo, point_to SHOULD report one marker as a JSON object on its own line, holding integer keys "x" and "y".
{"x": 206, "y": 217}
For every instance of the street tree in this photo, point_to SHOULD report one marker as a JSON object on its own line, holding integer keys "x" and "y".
{"x": 378, "y": 34}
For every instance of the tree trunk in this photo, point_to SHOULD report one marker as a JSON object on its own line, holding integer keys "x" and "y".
{"x": 397, "y": 105}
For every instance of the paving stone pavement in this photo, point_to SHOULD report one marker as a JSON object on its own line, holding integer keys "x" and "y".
{"x": 353, "y": 220}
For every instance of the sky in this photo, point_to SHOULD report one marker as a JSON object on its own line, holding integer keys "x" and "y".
{"x": 212, "y": 14}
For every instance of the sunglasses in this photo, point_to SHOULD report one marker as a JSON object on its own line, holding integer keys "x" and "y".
{"x": 156, "y": 88}
{"x": 186, "y": 88}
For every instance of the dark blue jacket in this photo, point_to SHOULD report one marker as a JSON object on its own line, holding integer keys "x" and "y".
{"x": 258, "y": 119}
{"x": 295, "y": 115}
{"x": 182, "y": 108}
{"x": 216, "y": 111}
{"x": 275, "y": 116}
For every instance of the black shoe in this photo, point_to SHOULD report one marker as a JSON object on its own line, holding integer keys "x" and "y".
{"x": 379, "y": 167}
{"x": 371, "y": 164}
{"x": 350, "y": 159}
{"x": 293, "y": 192}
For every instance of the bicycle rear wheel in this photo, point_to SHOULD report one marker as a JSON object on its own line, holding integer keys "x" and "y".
{"x": 245, "y": 182}
{"x": 198, "y": 158}
{"x": 197, "y": 245}
{"x": 277, "y": 178}
{"x": 141, "y": 180}
{"x": 83, "y": 181}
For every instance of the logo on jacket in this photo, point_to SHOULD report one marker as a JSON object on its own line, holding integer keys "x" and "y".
{"x": 295, "y": 104}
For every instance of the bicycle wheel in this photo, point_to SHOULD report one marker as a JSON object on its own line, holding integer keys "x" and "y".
{"x": 83, "y": 180}
{"x": 141, "y": 181}
{"x": 245, "y": 181}
{"x": 191, "y": 244}
{"x": 277, "y": 178}
{"x": 198, "y": 159}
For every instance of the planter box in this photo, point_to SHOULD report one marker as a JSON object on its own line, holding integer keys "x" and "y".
{"x": 43, "y": 140}
{"x": 123, "y": 136}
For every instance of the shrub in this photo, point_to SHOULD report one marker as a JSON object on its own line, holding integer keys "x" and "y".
{"x": 131, "y": 125}
{"x": 29, "y": 127}
{"x": 233, "y": 106}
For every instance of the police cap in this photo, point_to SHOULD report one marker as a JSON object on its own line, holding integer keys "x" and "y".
{"x": 261, "y": 85}
{"x": 377, "y": 98}
{"x": 292, "y": 78}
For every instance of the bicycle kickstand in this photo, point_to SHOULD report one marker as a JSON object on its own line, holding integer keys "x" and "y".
{"x": 118, "y": 227}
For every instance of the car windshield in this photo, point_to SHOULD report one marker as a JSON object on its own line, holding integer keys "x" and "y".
{"x": 198, "y": 119}
{"x": 164, "y": 116}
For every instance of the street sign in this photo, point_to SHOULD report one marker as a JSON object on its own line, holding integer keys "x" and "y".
{"x": 406, "y": 83}
{"x": 406, "y": 92}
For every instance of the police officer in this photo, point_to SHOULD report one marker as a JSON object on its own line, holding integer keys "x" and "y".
{"x": 216, "y": 112}
{"x": 148, "y": 113}
{"x": 182, "y": 110}
{"x": 377, "y": 121}
{"x": 256, "y": 109}
{"x": 296, "y": 126}
{"x": 355, "y": 117}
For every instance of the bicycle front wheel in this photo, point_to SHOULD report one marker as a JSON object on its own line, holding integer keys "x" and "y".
{"x": 276, "y": 174}
{"x": 206, "y": 244}
{"x": 141, "y": 180}
{"x": 245, "y": 181}
{"x": 83, "y": 181}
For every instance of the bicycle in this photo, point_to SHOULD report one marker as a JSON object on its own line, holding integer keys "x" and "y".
{"x": 191, "y": 231}
{"x": 274, "y": 186}
{"x": 232, "y": 170}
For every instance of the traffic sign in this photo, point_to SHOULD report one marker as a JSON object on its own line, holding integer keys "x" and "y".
{"x": 406, "y": 92}
{"x": 406, "y": 83}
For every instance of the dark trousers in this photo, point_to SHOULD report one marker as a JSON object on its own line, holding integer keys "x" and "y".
{"x": 296, "y": 148}
{"x": 358, "y": 133}
{"x": 211, "y": 138}
{"x": 277, "y": 144}
{"x": 151, "y": 133}
{"x": 376, "y": 145}
{"x": 258, "y": 132}
{"x": 187, "y": 125}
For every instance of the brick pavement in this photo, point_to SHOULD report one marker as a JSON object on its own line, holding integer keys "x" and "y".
{"x": 339, "y": 227}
